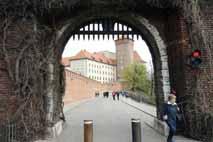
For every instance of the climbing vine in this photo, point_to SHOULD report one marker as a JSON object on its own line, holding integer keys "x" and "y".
{"x": 29, "y": 57}
{"x": 27, "y": 65}
{"x": 199, "y": 39}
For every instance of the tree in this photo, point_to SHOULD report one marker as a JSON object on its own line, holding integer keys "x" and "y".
{"x": 136, "y": 77}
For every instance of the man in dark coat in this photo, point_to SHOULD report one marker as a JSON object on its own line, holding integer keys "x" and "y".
{"x": 170, "y": 113}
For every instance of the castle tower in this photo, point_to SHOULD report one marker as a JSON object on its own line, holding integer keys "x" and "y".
{"x": 124, "y": 54}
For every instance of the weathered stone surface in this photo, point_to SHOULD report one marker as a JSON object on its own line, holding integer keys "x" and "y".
{"x": 164, "y": 30}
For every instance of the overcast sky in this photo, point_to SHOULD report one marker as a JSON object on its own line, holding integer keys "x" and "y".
{"x": 74, "y": 46}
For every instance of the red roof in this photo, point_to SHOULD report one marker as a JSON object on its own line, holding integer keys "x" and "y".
{"x": 137, "y": 58}
{"x": 99, "y": 57}
{"x": 66, "y": 61}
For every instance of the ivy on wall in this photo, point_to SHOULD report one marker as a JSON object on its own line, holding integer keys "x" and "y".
{"x": 28, "y": 61}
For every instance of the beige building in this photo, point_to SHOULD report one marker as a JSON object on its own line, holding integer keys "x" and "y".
{"x": 95, "y": 66}
{"x": 104, "y": 66}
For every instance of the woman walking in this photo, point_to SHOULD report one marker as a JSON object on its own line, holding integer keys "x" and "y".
{"x": 170, "y": 113}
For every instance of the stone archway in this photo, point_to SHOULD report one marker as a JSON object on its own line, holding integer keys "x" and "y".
{"x": 150, "y": 34}
{"x": 56, "y": 16}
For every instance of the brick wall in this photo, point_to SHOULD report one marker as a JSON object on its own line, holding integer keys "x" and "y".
{"x": 194, "y": 92}
{"x": 178, "y": 42}
{"x": 7, "y": 102}
{"x": 80, "y": 88}
{"x": 14, "y": 34}
{"x": 172, "y": 29}
{"x": 208, "y": 28}
{"x": 4, "y": 88}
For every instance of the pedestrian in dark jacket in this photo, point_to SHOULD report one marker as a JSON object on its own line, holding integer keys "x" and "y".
{"x": 170, "y": 113}
{"x": 113, "y": 95}
{"x": 118, "y": 95}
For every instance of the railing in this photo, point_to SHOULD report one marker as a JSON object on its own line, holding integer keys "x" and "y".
{"x": 8, "y": 133}
{"x": 141, "y": 97}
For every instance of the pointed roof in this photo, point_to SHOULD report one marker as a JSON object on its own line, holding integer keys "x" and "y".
{"x": 98, "y": 57}
{"x": 82, "y": 54}
{"x": 137, "y": 58}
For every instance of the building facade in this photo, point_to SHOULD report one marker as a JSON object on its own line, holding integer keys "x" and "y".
{"x": 104, "y": 66}
{"x": 94, "y": 66}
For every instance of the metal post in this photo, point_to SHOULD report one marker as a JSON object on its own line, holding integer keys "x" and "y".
{"x": 136, "y": 130}
{"x": 88, "y": 131}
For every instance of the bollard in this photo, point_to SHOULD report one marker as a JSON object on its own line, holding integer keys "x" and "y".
{"x": 88, "y": 131}
{"x": 136, "y": 130}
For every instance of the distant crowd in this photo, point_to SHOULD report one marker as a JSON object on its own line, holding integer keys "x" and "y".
{"x": 115, "y": 94}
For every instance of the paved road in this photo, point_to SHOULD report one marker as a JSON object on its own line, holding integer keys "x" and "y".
{"x": 112, "y": 122}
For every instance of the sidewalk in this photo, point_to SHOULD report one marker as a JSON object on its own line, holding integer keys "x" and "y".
{"x": 59, "y": 127}
{"x": 150, "y": 111}
{"x": 146, "y": 108}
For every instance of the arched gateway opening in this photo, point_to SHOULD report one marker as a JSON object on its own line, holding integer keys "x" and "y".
{"x": 34, "y": 86}
{"x": 148, "y": 32}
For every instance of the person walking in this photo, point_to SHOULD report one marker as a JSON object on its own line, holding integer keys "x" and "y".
{"x": 113, "y": 95}
{"x": 118, "y": 95}
{"x": 169, "y": 115}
